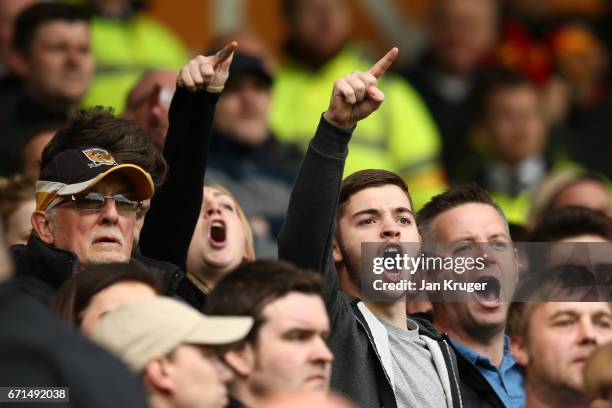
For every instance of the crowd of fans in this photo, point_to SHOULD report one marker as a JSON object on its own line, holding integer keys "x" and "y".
{"x": 181, "y": 232}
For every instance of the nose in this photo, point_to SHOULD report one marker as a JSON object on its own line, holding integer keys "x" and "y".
{"x": 587, "y": 333}
{"x": 109, "y": 213}
{"x": 74, "y": 57}
{"x": 212, "y": 208}
{"x": 390, "y": 230}
{"x": 321, "y": 353}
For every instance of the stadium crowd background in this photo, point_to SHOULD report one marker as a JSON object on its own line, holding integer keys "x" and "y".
{"x": 497, "y": 115}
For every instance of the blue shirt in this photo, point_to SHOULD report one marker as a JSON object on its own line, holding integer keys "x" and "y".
{"x": 506, "y": 380}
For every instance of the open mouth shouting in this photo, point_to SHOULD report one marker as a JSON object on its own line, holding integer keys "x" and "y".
{"x": 217, "y": 234}
{"x": 489, "y": 296}
{"x": 393, "y": 251}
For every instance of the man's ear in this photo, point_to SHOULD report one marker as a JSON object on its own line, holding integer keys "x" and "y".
{"x": 336, "y": 250}
{"x": 157, "y": 375}
{"x": 241, "y": 360}
{"x": 518, "y": 347}
{"x": 42, "y": 225}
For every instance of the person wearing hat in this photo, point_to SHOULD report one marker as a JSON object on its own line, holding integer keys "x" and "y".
{"x": 86, "y": 206}
{"x": 173, "y": 349}
{"x": 245, "y": 156}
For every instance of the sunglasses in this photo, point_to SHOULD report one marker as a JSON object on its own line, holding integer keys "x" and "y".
{"x": 96, "y": 201}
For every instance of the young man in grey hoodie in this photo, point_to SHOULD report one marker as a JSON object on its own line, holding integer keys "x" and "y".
{"x": 382, "y": 358}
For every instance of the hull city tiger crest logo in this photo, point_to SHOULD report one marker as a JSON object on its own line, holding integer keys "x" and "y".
{"x": 99, "y": 157}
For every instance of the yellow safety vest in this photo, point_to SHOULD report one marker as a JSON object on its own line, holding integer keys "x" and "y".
{"x": 400, "y": 137}
{"x": 123, "y": 51}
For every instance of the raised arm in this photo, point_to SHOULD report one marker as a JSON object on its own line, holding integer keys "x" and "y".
{"x": 306, "y": 237}
{"x": 175, "y": 207}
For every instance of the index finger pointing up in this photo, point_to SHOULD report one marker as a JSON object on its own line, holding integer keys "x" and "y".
{"x": 225, "y": 53}
{"x": 384, "y": 63}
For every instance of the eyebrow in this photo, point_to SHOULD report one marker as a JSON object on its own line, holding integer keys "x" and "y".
{"x": 470, "y": 238}
{"x": 374, "y": 211}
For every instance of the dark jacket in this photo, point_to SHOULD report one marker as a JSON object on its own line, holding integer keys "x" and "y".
{"x": 41, "y": 269}
{"x": 476, "y": 391}
{"x": 175, "y": 207}
{"x": 357, "y": 339}
{"x": 36, "y": 349}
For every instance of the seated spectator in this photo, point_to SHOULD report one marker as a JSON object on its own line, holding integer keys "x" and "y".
{"x": 552, "y": 342}
{"x": 173, "y": 349}
{"x": 33, "y": 147}
{"x": 37, "y": 349}
{"x": 222, "y": 241}
{"x": 98, "y": 289}
{"x": 515, "y": 158}
{"x": 148, "y": 103}
{"x": 449, "y": 73}
{"x": 319, "y": 51}
{"x": 406, "y": 362}
{"x": 598, "y": 378}
{"x": 467, "y": 216}
{"x": 126, "y": 42}
{"x": 16, "y": 207}
{"x": 245, "y": 156}
{"x": 86, "y": 205}
{"x": 52, "y": 46}
{"x": 286, "y": 349}
{"x": 570, "y": 187}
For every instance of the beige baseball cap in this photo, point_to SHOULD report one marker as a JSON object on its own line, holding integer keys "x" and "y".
{"x": 144, "y": 329}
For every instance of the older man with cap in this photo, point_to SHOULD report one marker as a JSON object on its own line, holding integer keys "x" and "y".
{"x": 172, "y": 347}
{"x": 86, "y": 205}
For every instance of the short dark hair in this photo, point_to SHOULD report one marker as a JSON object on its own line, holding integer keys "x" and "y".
{"x": 101, "y": 128}
{"x": 363, "y": 179}
{"x": 76, "y": 293}
{"x": 253, "y": 286}
{"x": 556, "y": 283}
{"x": 454, "y": 197}
{"x": 30, "y": 20}
{"x": 566, "y": 222}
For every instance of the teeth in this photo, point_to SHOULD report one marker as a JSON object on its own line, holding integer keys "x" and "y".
{"x": 217, "y": 224}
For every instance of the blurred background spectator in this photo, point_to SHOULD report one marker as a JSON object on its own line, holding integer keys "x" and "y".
{"x": 51, "y": 45}
{"x": 447, "y": 75}
{"x": 125, "y": 43}
{"x": 401, "y": 137}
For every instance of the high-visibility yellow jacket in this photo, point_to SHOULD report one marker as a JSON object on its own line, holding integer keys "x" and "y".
{"x": 401, "y": 136}
{"x": 124, "y": 49}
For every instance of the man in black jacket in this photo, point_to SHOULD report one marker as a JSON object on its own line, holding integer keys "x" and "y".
{"x": 381, "y": 358}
